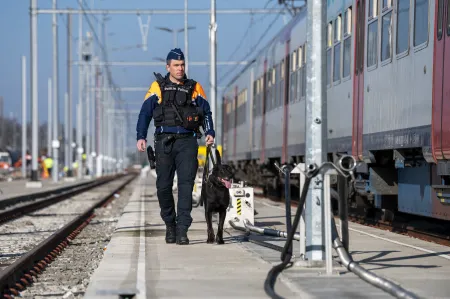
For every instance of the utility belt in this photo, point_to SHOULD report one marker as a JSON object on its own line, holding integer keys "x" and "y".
{"x": 167, "y": 137}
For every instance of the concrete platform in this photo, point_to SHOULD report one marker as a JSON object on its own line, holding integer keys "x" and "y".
{"x": 18, "y": 187}
{"x": 138, "y": 262}
{"x": 418, "y": 266}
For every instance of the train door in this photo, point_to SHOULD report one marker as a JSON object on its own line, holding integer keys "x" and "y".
{"x": 358, "y": 81}
{"x": 441, "y": 90}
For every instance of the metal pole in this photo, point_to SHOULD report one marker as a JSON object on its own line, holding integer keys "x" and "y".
{"x": 186, "y": 49}
{"x": 212, "y": 43}
{"x": 327, "y": 223}
{"x": 69, "y": 92}
{"x": 316, "y": 124}
{"x": 13, "y": 121}
{"x": 98, "y": 157}
{"x": 55, "y": 144}
{"x": 81, "y": 81}
{"x": 88, "y": 111}
{"x": 79, "y": 141}
{"x": 124, "y": 144}
{"x": 34, "y": 94}
{"x": 343, "y": 210}
{"x": 24, "y": 117}
{"x": 49, "y": 121}
{"x": 66, "y": 132}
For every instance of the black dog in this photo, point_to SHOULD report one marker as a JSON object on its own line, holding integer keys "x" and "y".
{"x": 216, "y": 197}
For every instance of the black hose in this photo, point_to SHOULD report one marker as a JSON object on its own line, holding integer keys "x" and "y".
{"x": 285, "y": 254}
{"x": 287, "y": 196}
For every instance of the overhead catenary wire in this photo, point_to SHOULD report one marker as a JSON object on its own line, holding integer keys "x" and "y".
{"x": 255, "y": 46}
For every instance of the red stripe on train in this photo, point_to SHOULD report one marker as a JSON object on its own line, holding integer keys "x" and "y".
{"x": 358, "y": 81}
{"x": 263, "y": 131}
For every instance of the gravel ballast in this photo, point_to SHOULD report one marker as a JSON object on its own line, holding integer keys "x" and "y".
{"x": 68, "y": 275}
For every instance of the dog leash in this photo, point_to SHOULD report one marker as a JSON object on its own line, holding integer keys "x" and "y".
{"x": 208, "y": 154}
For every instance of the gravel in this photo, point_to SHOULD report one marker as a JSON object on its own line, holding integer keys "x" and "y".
{"x": 68, "y": 275}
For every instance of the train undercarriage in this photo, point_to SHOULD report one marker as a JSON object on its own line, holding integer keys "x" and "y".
{"x": 386, "y": 183}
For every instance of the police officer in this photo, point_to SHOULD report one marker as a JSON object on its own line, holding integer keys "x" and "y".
{"x": 178, "y": 107}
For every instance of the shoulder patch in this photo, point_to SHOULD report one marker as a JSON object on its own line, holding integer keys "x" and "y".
{"x": 198, "y": 91}
{"x": 153, "y": 90}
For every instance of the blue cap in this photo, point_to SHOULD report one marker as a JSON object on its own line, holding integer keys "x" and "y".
{"x": 175, "y": 54}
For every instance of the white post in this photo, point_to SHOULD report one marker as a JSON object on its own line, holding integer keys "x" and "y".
{"x": 55, "y": 142}
{"x": 24, "y": 117}
{"x": 49, "y": 121}
{"x": 212, "y": 43}
{"x": 327, "y": 222}
{"x": 34, "y": 97}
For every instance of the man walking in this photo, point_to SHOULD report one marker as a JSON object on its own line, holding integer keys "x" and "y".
{"x": 178, "y": 107}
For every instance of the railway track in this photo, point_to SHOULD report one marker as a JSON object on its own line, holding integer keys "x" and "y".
{"x": 15, "y": 207}
{"x": 29, "y": 244}
{"x": 414, "y": 226}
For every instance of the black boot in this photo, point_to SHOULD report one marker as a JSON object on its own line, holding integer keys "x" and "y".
{"x": 182, "y": 238}
{"x": 171, "y": 233}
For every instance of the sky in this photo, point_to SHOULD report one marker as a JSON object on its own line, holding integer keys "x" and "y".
{"x": 234, "y": 41}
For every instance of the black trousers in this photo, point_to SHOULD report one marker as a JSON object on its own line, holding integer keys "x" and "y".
{"x": 179, "y": 155}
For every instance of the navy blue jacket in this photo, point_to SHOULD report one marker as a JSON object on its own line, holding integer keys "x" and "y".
{"x": 153, "y": 98}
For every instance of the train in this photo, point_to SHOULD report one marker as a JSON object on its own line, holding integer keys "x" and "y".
{"x": 387, "y": 104}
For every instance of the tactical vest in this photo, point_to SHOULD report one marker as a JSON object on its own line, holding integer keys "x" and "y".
{"x": 176, "y": 108}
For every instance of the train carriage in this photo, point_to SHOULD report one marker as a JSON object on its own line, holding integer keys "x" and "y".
{"x": 388, "y": 104}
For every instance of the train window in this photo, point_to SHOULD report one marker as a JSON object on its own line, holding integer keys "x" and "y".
{"x": 299, "y": 76}
{"x": 440, "y": 21}
{"x": 294, "y": 61}
{"x": 329, "y": 46}
{"x": 275, "y": 76}
{"x": 328, "y": 67}
{"x": 337, "y": 62}
{"x": 337, "y": 50}
{"x": 346, "y": 60}
{"x": 372, "y": 38}
{"x": 300, "y": 53}
{"x": 402, "y": 26}
{"x": 293, "y": 89}
{"x": 386, "y": 36}
{"x": 330, "y": 35}
{"x": 347, "y": 57}
{"x": 348, "y": 22}
{"x": 337, "y": 29}
{"x": 420, "y": 22}
{"x": 241, "y": 106}
{"x": 373, "y": 9}
{"x": 448, "y": 18}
